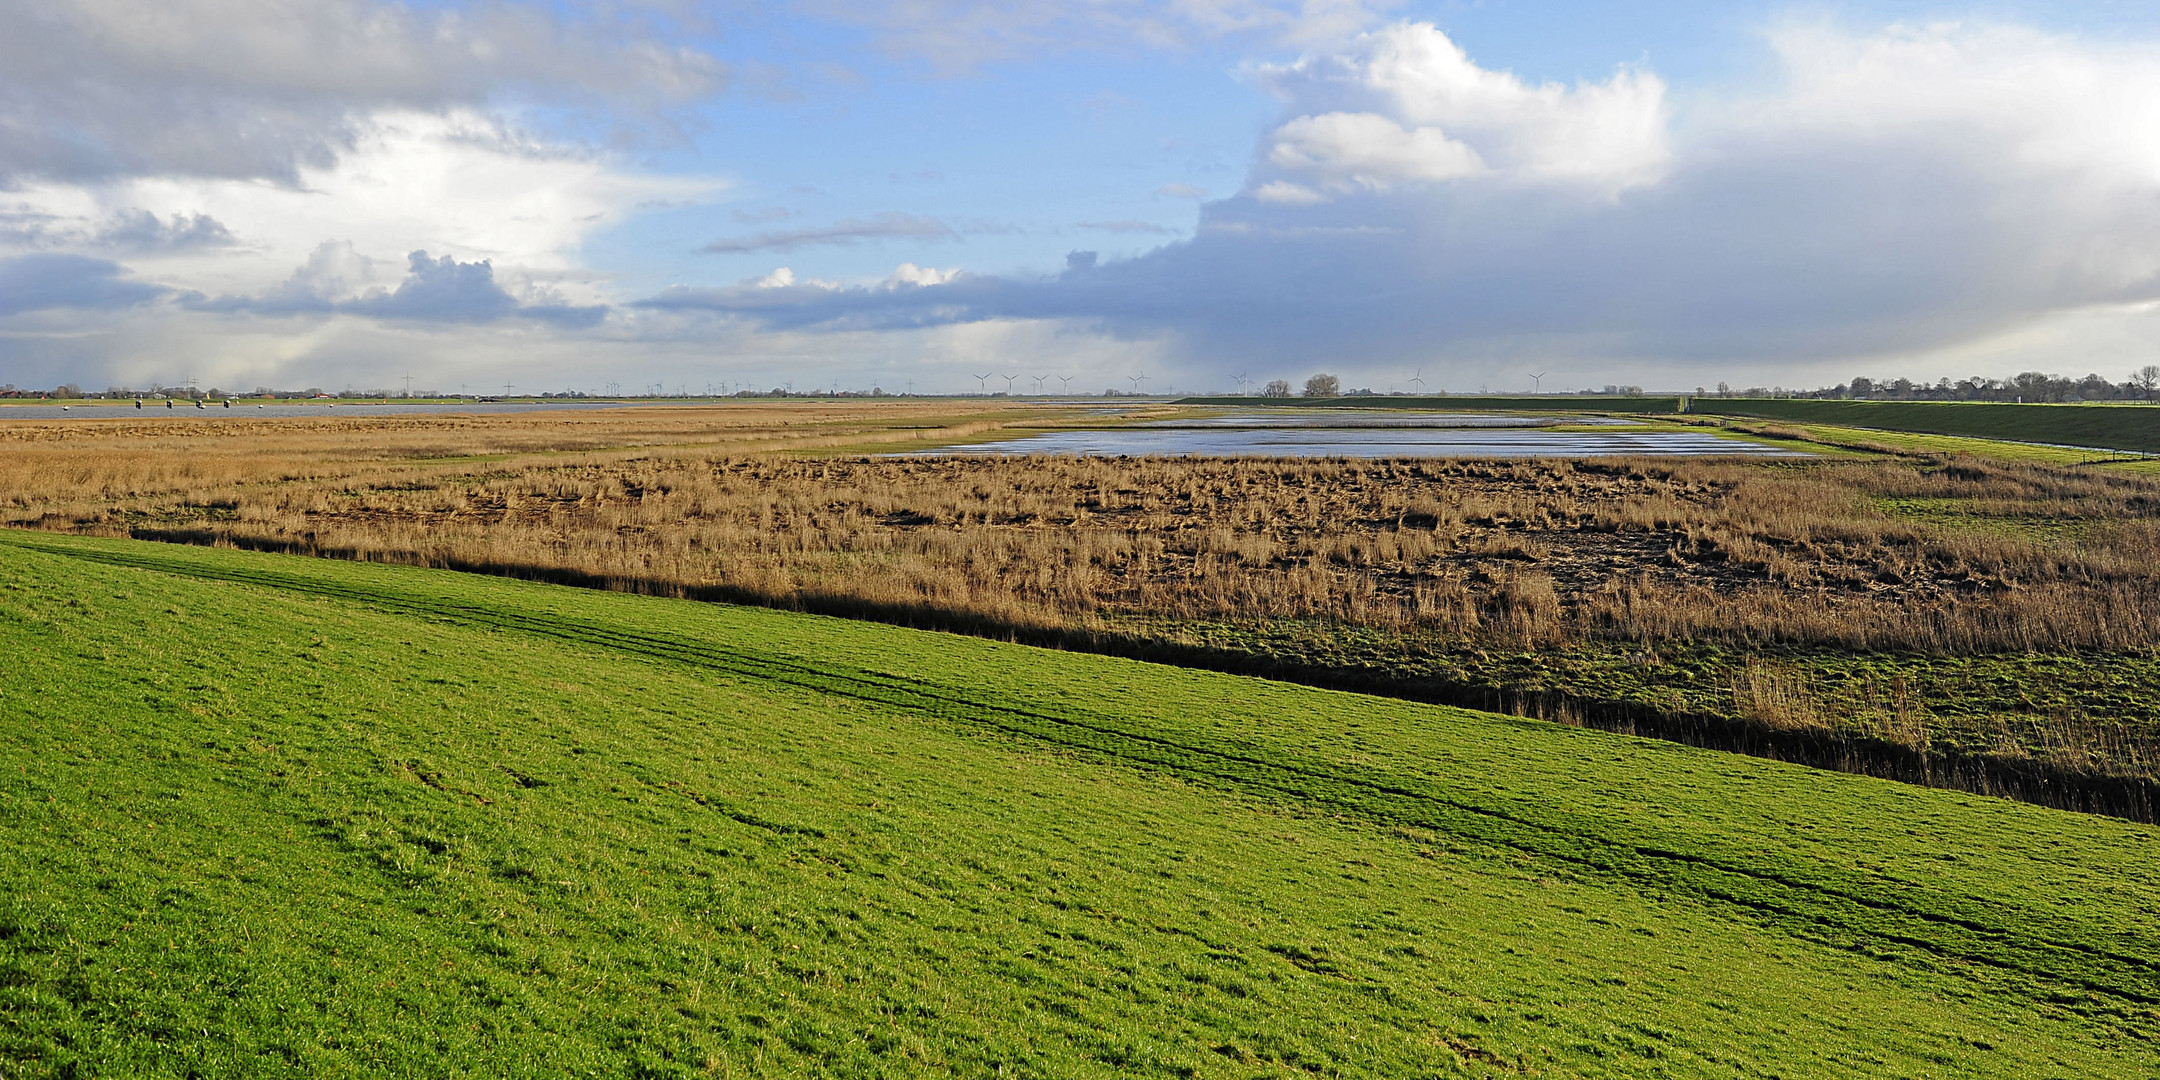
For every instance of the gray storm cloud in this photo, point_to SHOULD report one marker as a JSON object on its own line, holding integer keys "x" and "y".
{"x": 438, "y": 291}
{"x": 886, "y": 226}
{"x": 92, "y": 89}
{"x": 127, "y": 231}
{"x": 47, "y": 282}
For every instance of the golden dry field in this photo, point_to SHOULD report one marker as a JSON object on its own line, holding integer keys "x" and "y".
{"x": 1959, "y": 620}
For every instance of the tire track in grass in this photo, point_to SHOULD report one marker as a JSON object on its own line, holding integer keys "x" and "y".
{"x": 1847, "y": 914}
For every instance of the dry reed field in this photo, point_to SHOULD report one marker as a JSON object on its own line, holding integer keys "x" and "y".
{"x": 1741, "y": 590}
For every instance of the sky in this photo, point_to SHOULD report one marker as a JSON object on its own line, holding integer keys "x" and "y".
{"x": 944, "y": 196}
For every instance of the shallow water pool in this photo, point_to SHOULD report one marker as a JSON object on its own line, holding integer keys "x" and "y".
{"x": 1367, "y": 442}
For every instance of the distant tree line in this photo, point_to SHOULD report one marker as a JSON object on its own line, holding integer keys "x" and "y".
{"x": 1319, "y": 386}
{"x": 2030, "y": 386}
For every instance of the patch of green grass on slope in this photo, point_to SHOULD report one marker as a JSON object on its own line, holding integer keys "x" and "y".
{"x": 2079, "y": 712}
{"x": 271, "y": 816}
{"x": 2116, "y": 427}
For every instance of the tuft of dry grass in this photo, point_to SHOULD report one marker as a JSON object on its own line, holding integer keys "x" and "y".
{"x": 1776, "y": 698}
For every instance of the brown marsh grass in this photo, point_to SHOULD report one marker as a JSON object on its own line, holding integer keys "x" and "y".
{"x": 776, "y": 503}
{"x": 1940, "y": 558}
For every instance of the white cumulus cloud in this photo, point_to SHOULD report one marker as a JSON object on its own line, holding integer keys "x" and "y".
{"x": 1406, "y": 104}
{"x": 463, "y": 183}
{"x": 1337, "y": 150}
{"x": 918, "y": 276}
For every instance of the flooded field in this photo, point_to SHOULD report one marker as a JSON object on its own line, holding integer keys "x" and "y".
{"x": 1343, "y": 418}
{"x": 1372, "y": 437}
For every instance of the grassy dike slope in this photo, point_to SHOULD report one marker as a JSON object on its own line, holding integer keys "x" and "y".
{"x": 264, "y": 815}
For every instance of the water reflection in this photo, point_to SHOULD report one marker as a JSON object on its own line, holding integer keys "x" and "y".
{"x": 1343, "y": 419}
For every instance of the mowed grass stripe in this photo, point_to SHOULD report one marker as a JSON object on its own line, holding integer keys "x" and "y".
{"x": 1837, "y": 909}
{"x": 417, "y": 845}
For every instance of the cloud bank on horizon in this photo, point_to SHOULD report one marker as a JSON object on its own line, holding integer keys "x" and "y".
{"x": 345, "y": 191}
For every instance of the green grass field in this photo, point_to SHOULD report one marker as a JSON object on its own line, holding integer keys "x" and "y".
{"x": 272, "y": 816}
{"x": 2115, "y": 427}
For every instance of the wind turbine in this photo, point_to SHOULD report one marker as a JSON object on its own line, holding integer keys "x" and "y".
{"x": 1537, "y": 383}
{"x": 1136, "y": 380}
{"x": 1240, "y": 377}
{"x": 982, "y": 384}
{"x": 1008, "y": 383}
{"x": 1418, "y": 380}
{"x": 1068, "y": 384}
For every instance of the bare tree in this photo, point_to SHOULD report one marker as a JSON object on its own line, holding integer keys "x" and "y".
{"x": 1277, "y": 388}
{"x": 2147, "y": 379}
{"x": 1323, "y": 385}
